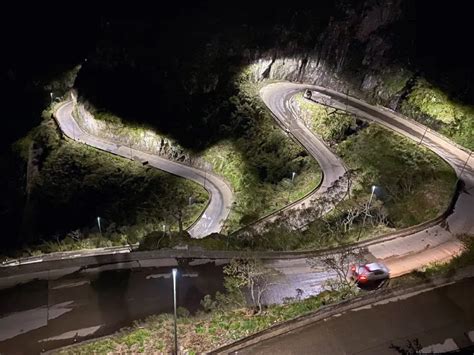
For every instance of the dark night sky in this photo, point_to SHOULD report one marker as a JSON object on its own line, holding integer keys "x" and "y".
{"x": 40, "y": 40}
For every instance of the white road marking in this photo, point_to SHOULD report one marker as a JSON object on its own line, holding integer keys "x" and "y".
{"x": 73, "y": 284}
{"x": 470, "y": 335}
{"x": 22, "y": 322}
{"x": 447, "y": 346}
{"x": 74, "y": 333}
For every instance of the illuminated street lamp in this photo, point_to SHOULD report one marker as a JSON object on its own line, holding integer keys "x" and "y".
{"x": 98, "y": 224}
{"x": 175, "y": 271}
{"x": 371, "y": 197}
{"x": 51, "y": 95}
{"x": 293, "y": 176}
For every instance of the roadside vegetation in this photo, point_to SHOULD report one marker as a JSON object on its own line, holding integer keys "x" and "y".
{"x": 260, "y": 163}
{"x": 224, "y": 318}
{"x": 464, "y": 262}
{"x": 413, "y": 184}
{"x": 227, "y": 317}
{"x": 71, "y": 184}
{"x": 433, "y": 107}
{"x": 466, "y": 258}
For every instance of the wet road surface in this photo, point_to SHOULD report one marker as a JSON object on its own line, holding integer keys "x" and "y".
{"x": 46, "y": 314}
{"x": 441, "y": 319}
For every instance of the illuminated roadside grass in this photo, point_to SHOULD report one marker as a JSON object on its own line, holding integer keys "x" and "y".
{"x": 201, "y": 332}
{"x": 260, "y": 163}
{"x": 433, "y": 107}
{"x": 416, "y": 184}
{"x": 76, "y": 183}
{"x": 207, "y": 331}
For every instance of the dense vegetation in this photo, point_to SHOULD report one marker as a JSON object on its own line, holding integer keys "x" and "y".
{"x": 75, "y": 184}
{"x": 413, "y": 184}
{"x": 223, "y": 318}
{"x": 260, "y": 163}
{"x": 433, "y": 107}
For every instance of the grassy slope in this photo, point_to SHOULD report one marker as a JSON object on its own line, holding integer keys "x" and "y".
{"x": 259, "y": 164}
{"x": 433, "y": 107}
{"x": 77, "y": 183}
{"x": 418, "y": 185}
{"x": 199, "y": 333}
{"x": 206, "y": 331}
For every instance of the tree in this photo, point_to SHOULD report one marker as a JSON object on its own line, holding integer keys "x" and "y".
{"x": 412, "y": 347}
{"x": 251, "y": 273}
{"x": 338, "y": 263}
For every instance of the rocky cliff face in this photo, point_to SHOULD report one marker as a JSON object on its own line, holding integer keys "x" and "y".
{"x": 355, "y": 54}
{"x": 136, "y": 138}
{"x": 179, "y": 75}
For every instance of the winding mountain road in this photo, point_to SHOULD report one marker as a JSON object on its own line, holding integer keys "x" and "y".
{"x": 402, "y": 252}
{"x": 212, "y": 219}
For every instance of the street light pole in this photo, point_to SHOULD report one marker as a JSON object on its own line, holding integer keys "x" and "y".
{"x": 98, "y": 223}
{"x": 366, "y": 209}
{"x": 423, "y": 136}
{"x": 293, "y": 176}
{"x": 51, "y": 95}
{"x": 175, "y": 271}
{"x": 464, "y": 166}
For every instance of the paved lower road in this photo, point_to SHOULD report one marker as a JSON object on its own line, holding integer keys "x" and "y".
{"x": 211, "y": 221}
{"x": 58, "y": 310}
{"x": 441, "y": 320}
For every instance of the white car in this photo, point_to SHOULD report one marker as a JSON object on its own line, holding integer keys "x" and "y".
{"x": 362, "y": 274}
{"x": 307, "y": 94}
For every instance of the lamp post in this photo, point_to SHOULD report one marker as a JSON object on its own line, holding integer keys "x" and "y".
{"x": 98, "y": 224}
{"x": 464, "y": 166}
{"x": 175, "y": 271}
{"x": 293, "y": 176}
{"x": 51, "y": 96}
{"x": 366, "y": 209}
{"x": 423, "y": 136}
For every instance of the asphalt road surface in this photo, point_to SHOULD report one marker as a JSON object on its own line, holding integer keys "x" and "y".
{"x": 333, "y": 185}
{"x": 441, "y": 319}
{"x": 211, "y": 221}
{"x": 401, "y": 254}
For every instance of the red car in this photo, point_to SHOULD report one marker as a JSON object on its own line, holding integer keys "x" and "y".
{"x": 369, "y": 272}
